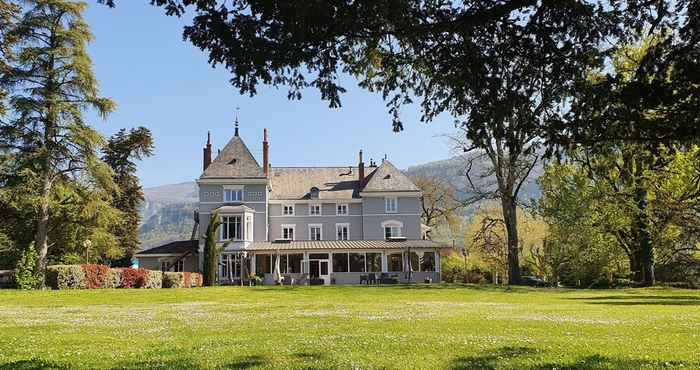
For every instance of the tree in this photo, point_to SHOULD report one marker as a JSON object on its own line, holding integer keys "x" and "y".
{"x": 49, "y": 82}
{"x": 211, "y": 250}
{"x": 122, "y": 149}
{"x": 439, "y": 202}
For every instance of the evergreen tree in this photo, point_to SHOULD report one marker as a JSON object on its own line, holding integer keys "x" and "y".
{"x": 122, "y": 149}
{"x": 49, "y": 83}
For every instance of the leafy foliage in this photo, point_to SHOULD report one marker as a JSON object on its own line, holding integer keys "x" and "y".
{"x": 25, "y": 275}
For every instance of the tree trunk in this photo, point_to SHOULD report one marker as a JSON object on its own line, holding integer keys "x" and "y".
{"x": 511, "y": 220}
{"x": 643, "y": 235}
{"x": 42, "y": 227}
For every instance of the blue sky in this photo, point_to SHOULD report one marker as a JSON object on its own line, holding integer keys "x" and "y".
{"x": 164, "y": 83}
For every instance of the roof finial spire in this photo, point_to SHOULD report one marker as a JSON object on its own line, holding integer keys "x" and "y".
{"x": 236, "y": 122}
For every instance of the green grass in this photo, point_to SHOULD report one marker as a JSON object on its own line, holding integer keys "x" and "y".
{"x": 351, "y": 327}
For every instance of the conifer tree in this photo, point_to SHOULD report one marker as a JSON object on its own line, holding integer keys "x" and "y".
{"x": 49, "y": 84}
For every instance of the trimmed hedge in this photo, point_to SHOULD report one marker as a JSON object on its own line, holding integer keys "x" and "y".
{"x": 65, "y": 277}
{"x": 91, "y": 276}
{"x": 182, "y": 280}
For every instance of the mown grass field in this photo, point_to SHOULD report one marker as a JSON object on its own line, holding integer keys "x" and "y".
{"x": 459, "y": 327}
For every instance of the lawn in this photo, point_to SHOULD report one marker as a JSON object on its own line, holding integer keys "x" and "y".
{"x": 459, "y": 327}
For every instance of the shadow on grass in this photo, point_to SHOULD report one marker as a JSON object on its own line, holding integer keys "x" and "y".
{"x": 642, "y": 300}
{"x": 525, "y": 358}
{"x": 32, "y": 364}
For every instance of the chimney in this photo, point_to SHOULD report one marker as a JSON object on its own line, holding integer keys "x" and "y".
{"x": 207, "y": 152}
{"x": 266, "y": 154}
{"x": 361, "y": 171}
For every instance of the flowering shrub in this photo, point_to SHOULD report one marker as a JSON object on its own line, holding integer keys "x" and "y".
{"x": 133, "y": 278}
{"x": 95, "y": 275}
{"x": 174, "y": 280}
{"x": 65, "y": 277}
{"x": 195, "y": 279}
{"x": 113, "y": 279}
{"x": 187, "y": 279}
{"x": 154, "y": 279}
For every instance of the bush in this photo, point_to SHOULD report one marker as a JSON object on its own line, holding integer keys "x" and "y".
{"x": 65, "y": 277}
{"x": 154, "y": 279}
{"x": 174, "y": 280}
{"x": 95, "y": 275}
{"x": 25, "y": 275}
{"x": 188, "y": 279}
{"x": 113, "y": 279}
{"x": 196, "y": 280}
{"x": 133, "y": 278}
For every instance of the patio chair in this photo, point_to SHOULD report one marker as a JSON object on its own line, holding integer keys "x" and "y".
{"x": 371, "y": 279}
{"x": 363, "y": 279}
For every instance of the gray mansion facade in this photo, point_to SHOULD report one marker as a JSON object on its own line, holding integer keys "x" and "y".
{"x": 326, "y": 225}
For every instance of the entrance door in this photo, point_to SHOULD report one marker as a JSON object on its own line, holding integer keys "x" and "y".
{"x": 318, "y": 269}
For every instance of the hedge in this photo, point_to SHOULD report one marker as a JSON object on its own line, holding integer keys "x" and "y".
{"x": 91, "y": 276}
{"x": 65, "y": 277}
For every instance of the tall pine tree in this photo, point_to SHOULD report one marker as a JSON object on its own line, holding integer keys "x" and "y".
{"x": 49, "y": 84}
{"x": 122, "y": 149}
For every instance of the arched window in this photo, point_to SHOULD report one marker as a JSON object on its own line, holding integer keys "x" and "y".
{"x": 392, "y": 229}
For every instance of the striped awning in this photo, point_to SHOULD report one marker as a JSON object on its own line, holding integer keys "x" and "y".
{"x": 343, "y": 244}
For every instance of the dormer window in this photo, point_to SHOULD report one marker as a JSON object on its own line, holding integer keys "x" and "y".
{"x": 314, "y": 209}
{"x": 233, "y": 195}
{"x": 391, "y": 204}
{"x": 313, "y": 193}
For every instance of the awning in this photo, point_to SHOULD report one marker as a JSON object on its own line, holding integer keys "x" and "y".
{"x": 343, "y": 244}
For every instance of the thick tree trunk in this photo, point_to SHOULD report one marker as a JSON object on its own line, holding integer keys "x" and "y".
{"x": 510, "y": 218}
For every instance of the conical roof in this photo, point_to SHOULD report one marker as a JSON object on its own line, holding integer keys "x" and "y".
{"x": 236, "y": 161}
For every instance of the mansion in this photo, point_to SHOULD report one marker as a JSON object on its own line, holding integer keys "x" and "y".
{"x": 323, "y": 225}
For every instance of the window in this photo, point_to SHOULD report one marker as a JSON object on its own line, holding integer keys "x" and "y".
{"x": 394, "y": 262}
{"x": 318, "y": 256}
{"x": 180, "y": 265}
{"x": 357, "y": 262}
{"x": 294, "y": 263}
{"x": 288, "y": 209}
{"x": 427, "y": 262}
{"x": 392, "y": 231}
{"x": 233, "y": 195}
{"x": 288, "y": 232}
{"x": 314, "y": 209}
{"x": 263, "y": 264}
{"x": 230, "y": 227}
{"x": 249, "y": 228}
{"x": 374, "y": 262}
{"x": 391, "y": 204}
{"x": 341, "y": 209}
{"x": 340, "y": 262}
{"x": 342, "y": 231}
{"x": 315, "y": 232}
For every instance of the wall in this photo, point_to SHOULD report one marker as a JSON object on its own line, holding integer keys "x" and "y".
{"x": 328, "y": 219}
{"x": 254, "y": 196}
{"x": 409, "y": 210}
{"x": 153, "y": 263}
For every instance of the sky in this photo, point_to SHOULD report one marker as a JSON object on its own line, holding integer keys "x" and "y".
{"x": 165, "y": 84}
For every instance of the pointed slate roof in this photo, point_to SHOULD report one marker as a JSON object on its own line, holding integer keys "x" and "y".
{"x": 388, "y": 178}
{"x": 235, "y": 160}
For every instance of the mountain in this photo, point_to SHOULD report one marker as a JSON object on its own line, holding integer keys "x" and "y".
{"x": 167, "y": 212}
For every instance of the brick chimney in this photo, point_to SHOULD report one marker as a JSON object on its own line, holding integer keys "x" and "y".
{"x": 361, "y": 171}
{"x": 207, "y": 152}
{"x": 266, "y": 154}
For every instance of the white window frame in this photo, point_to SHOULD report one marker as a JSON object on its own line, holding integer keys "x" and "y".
{"x": 320, "y": 209}
{"x": 233, "y": 188}
{"x": 288, "y": 226}
{"x": 391, "y": 200}
{"x": 337, "y": 209}
{"x": 248, "y": 229}
{"x": 344, "y": 224}
{"x": 320, "y": 231}
{"x": 221, "y": 228}
{"x": 180, "y": 265}
{"x": 284, "y": 208}
{"x": 392, "y": 224}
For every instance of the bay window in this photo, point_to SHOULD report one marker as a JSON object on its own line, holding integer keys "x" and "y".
{"x": 231, "y": 228}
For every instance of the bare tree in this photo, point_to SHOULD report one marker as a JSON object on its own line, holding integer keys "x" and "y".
{"x": 439, "y": 202}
